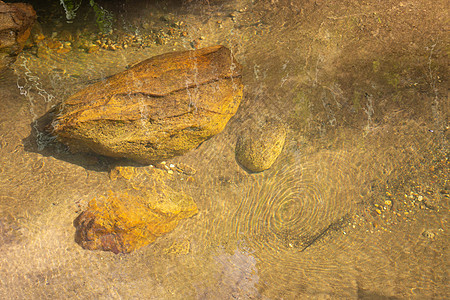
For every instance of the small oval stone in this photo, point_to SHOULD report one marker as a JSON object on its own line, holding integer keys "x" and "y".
{"x": 258, "y": 147}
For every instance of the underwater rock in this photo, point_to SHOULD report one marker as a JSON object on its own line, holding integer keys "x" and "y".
{"x": 16, "y": 20}
{"x": 126, "y": 220}
{"x": 258, "y": 147}
{"x": 157, "y": 109}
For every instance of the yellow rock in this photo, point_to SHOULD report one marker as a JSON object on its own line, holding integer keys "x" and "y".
{"x": 126, "y": 220}
{"x": 157, "y": 109}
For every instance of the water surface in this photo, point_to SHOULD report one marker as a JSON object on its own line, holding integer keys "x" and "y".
{"x": 356, "y": 206}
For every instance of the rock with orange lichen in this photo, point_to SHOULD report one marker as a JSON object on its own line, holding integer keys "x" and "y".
{"x": 124, "y": 221}
{"x": 157, "y": 109}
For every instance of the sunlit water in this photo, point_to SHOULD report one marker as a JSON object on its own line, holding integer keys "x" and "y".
{"x": 356, "y": 206}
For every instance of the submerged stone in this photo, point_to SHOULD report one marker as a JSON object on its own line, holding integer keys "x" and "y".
{"x": 258, "y": 147}
{"x": 127, "y": 220}
{"x": 157, "y": 109}
{"x": 16, "y": 21}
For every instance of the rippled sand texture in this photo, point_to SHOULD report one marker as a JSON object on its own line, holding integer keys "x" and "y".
{"x": 355, "y": 207}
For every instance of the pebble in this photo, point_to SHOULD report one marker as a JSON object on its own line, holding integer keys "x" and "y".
{"x": 428, "y": 234}
{"x": 185, "y": 169}
{"x": 63, "y": 50}
{"x": 195, "y": 44}
{"x": 58, "y": 70}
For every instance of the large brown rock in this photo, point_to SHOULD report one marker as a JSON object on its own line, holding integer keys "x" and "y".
{"x": 157, "y": 109}
{"x": 128, "y": 219}
{"x": 16, "y": 21}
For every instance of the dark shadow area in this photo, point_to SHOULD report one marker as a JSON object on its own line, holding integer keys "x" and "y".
{"x": 76, "y": 13}
{"x": 369, "y": 295}
{"x": 43, "y": 142}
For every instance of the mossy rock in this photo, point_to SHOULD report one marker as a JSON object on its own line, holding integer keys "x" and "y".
{"x": 258, "y": 147}
{"x": 161, "y": 107}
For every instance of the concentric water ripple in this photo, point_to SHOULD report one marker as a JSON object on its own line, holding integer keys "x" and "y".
{"x": 298, "y": 205}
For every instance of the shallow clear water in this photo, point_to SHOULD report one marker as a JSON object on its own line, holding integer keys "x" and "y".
{"x": 356, "y": 205}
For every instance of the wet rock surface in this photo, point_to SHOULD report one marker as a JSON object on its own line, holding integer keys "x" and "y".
{"x": 258, "y": 147}
{"x": 157, "y": 109}
{"x": 16, "y": 21}
{"x": 128, "y": 219}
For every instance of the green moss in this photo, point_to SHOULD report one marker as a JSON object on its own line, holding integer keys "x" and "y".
{"x": 70, "y": 7}
{"x": 304, "y": 110}
{"x": 103, "y": 17}
{"x": 397, "y": 97}
{"x": 356, "y": 100}
{"x": 375, "y": 66}
{"x": 392, "y": 79}
{"x": 301, "y": 111}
